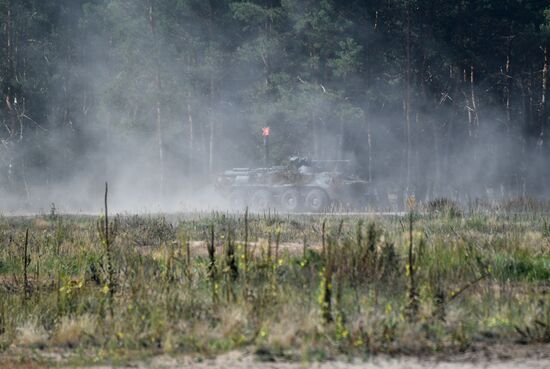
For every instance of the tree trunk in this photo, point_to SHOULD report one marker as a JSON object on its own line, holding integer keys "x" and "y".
{"x": 191, "y": 146}
{"x": 158, "y": 83}
{"x": 368, "y": 73}
{"x": 266, "y": 59}
{"x": 341, "y": 140}
{"x": 542, "y": 105}
{"x": 10, "y": 99}
{"x": 526, "y": 118}
{"x": 369, "y": 147}
{"x": 435, "y": 188}
{"x": 315, "y": 133}
{"x": 14, "y": 125}
{"x": 475, "y": 120}
{"x": 407, "y": 102}
{"x": 211, "y": 144}
{"x": 160, "y": 143}
{"x": 191, "y": 139}
{"x": 211, "y": 97}
{"x": 469, "y": 107}
{"x": 473, "y": 116}
{"x": 507, "y": 89}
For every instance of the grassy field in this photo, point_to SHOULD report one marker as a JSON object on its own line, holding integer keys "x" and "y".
{"x": 287, "y": 287}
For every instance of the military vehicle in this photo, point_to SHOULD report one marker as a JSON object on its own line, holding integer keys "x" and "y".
{"x": 298, "y": 185}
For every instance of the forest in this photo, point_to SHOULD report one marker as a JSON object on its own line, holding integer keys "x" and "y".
{"x": 438, "y": 98}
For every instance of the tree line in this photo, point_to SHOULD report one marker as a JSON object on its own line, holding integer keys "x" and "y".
{"x": 433, "y": 97}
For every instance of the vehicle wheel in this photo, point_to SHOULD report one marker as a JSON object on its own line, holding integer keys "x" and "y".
{"x": 236, "y": 201}
{"x": 290, "y": 200}
{"x": 317, "y": 200}
{"x": 261, "y": 200}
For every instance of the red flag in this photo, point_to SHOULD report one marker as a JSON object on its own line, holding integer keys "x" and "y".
{"x": 265, "y": 131}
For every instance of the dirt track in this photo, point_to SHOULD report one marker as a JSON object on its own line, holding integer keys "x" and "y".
{"x": 238, "y": 361}
{"x": 486, "y": 357}
{"x": 497, "y": 356}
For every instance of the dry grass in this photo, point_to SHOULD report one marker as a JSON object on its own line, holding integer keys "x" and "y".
{"x": 72, "y": 331}
{"x": 477, "y": 275}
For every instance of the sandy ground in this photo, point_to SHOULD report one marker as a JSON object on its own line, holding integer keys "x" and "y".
{"x": 537, "y": 360}
{"x": 486, "y": 357}
{"x": 240, "y": 361}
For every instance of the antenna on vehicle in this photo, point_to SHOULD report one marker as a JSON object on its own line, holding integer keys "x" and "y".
{"x": 265, "y": 134}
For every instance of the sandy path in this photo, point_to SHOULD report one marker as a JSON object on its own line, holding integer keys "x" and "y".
{"x": 494, "y": 357}
{"x": 374, "y": 364}
{"x": 524, "y": 359}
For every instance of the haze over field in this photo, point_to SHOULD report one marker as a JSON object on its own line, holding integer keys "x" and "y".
{"x": 432, "y": 98}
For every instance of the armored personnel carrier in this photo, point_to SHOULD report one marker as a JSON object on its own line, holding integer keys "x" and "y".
{"x": 298, "y": 185}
